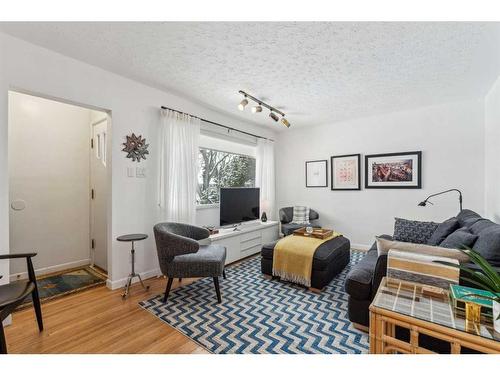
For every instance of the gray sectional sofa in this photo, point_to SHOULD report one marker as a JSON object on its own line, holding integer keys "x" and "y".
{"x": 364, "y": 278}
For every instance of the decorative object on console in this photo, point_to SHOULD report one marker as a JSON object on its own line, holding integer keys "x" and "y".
{"x": 345, "y": 172}
{"x": 136, "y": 147}
{"x": 413, "y": 231}
{"x": 402, "y": 170}
{"x": 426, "y": 200}
{"x": 263, "y": 217}
{"x": 317, "y": 173}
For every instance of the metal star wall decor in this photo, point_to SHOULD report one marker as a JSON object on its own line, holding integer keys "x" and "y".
{"x": 136, "y": 147}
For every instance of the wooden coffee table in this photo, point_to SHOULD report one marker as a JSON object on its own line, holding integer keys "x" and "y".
{"x": 402, "y": 303}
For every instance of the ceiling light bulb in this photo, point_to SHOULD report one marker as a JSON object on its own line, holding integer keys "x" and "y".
{"x": 243, "y": 104}
{"x": 285, "y": 122}
{"x": 257, "y": 109}
{"x": 273, "y": 116}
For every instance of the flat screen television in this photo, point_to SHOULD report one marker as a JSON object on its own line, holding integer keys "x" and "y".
{"x": 238, "y": 205}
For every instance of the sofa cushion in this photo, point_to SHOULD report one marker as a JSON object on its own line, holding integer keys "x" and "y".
{"x": 358, "y": 282}
{"x": 488, "y": 245}
{"x": 481, "y": 225}
{"x": 413, "y": 231}
{"x": 442, "y": 231}
{"x": 466, "y": 218}
{"x": 383, "y": 247}
{"x": 460, "y": 239}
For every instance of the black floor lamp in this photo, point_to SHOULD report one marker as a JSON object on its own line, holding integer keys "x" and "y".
{"x": 424, "y": 202}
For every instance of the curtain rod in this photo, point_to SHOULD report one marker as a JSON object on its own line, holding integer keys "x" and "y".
{"x": 217, "y": 124}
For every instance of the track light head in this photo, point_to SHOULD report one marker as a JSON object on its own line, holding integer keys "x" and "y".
{"x": 273, "y": 116}
{"x": 257, "y": 109}
{"x": 285, "y": 122}
{"x": 243, "y": 104}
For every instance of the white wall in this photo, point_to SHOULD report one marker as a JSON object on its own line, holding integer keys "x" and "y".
{"x": 492, "y": 154}
{"x": 451, "y": 138}
{"x": 49, "y": 171}
{"x": 134, "y": 108}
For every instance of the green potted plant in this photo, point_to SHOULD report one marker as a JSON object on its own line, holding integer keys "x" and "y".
{"x": 488, "y": 279}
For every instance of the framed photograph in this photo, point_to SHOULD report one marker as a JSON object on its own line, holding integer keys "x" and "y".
{"x": 345, "y": 172}
{"x": 317, "y": 173}
{"x": 402, "y": 170}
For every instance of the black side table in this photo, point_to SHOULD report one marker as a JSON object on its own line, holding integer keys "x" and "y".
{"x": 132, "y": 238}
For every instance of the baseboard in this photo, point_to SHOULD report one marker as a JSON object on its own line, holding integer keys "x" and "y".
{"x": 120, "y": 283}
{"x": 51, "y": 269}
{"x": 360, "y": 247}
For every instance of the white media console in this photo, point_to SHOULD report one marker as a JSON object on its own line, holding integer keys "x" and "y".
{"x": 246, "y": 240}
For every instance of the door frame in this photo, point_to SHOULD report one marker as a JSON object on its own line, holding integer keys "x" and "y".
{"x": 109, "y": 166}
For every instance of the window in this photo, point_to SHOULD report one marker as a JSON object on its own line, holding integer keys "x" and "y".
{"x": 222, "y": 169}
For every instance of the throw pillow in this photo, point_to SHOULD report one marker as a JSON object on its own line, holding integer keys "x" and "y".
{"x": 488, "y": 245}
{"x": 300, "y": 215}
{"x": 460, "y": 239}
{"x": 384, "y": 245}
{"x": 442, "y": 231}
{"x": 422, "y": 269}
{"x": 413, "y": 231}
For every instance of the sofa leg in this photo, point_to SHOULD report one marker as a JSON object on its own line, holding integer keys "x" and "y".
{"x": 167, "y": 290}
{"x": 224, "y": 273}
{"x": 217, "y": 290}
{"x": 315, "y": 290}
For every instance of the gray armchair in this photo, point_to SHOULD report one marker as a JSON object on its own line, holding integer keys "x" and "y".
{"x": 286, "y": 217}
{"x": 180, "y": 255}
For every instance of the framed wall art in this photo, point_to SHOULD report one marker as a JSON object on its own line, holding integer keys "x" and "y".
{"x": 402, "y": 170}
{"x": 345, "y": 172}
{"x": 317, "y": 173}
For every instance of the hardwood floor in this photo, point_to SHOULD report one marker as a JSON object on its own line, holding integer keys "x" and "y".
{"x": 98, "y": 321}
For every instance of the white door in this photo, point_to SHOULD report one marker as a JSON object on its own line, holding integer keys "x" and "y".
{"x": 98, "y": 194}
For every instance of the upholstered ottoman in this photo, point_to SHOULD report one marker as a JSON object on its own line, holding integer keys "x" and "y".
{"x": 329, "y": 259}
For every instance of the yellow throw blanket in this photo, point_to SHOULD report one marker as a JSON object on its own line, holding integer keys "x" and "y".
{"x": 293, "y": 257}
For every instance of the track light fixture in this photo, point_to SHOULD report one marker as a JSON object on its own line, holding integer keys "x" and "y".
{"x": 273, "y": 114}
{"x": 243, "y": 104}
{"x": 285, "y": 122}
{"x": 257, "y": 109}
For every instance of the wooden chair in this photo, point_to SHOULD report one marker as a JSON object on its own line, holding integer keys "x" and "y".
{"x": 12, "y": 295}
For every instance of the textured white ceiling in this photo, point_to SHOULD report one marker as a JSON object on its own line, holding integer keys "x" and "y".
{"x": 315, "y": 72}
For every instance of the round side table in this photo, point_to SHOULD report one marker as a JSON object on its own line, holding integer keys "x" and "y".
{"x": 132, "y": 238}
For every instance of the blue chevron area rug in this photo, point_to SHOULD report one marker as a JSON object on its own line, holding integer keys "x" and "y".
{"x": 262, "y": 316}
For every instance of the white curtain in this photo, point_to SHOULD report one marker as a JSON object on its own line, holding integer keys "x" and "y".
{"x": 265, "y": 178}
{"x": 178, "y": 175}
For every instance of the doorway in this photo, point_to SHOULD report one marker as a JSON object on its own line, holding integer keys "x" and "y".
{"x": 58, "y": 187}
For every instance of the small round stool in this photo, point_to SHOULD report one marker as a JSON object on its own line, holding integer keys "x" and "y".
{"x": 132, "y": 238}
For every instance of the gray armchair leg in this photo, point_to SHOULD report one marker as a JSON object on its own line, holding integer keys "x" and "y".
{"x": 217, "y": 290}
{"x": 224, "y": 274}
{"x": 167, "y": 290}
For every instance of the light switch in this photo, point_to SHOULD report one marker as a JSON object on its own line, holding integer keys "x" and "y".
{"x": 130, "y": 172}
{"x": 140, "y": 172}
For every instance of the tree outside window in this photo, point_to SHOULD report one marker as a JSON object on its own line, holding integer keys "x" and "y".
{"x": 222, "y": 169}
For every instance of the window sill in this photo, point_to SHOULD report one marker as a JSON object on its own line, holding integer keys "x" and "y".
{"x": 207, "y": 206}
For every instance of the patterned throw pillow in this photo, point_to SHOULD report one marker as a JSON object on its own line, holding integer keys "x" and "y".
{"x": 413, "y": 231}
{"x": 423, "y": 269}
{"x": 300, "y": 215}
